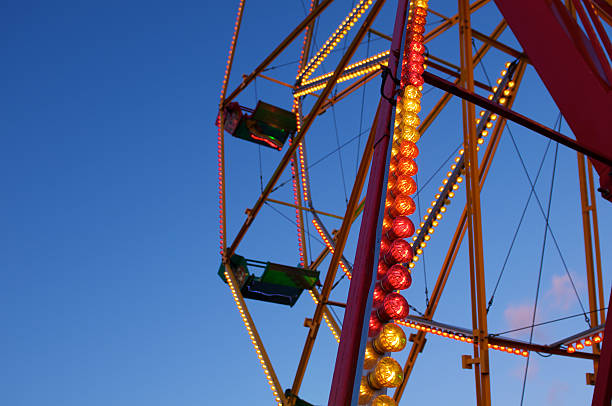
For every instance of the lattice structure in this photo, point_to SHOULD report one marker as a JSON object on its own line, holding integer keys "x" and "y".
{"x": 393, "y": 236}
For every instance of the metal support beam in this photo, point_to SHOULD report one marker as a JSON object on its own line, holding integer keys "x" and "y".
{"x": 477, "y": 281}
{"x": 602, "y": 394}
{"x": 350, "y": 89}
{"x": 453, "y": 249}
{"x": 304, "y": 208}
{"x": 255, "y": 338}
{"x": 359, "y": 301}
{"x": 451, "y": 21}
{"x": 352, "y": 204}
{"x": 460, "y": 166}
{"x": 588, "y": 248}
{"x": 563, "y": 51}
{"x": 300, "y": 135}
{"x": 480, "y": 53}
{"x": 280, "y": 48}
{"x": 506, "y": 342}
{"x": 515, "y": 117}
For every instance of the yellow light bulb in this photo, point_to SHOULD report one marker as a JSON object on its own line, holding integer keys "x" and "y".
{"x": 411, "y": 119}
{"x": 370, "y": 357}
{"x": 412, "y": 92}
{"x": 390, "y": 339}
{"x": 411, "y": 105}
{"x": 365, "y": 391}
{"x": 384, "y": 400}
{"x": 387, "y": 374}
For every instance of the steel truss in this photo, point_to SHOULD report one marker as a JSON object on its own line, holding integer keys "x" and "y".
{"x": 375, "y": 156}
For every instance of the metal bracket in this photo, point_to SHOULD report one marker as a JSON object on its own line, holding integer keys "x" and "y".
{"x": 467, "y": 361}
{"x": 590, "y": 378}
{"x": 412, "y": 339}
{"x": 386, "y": 73}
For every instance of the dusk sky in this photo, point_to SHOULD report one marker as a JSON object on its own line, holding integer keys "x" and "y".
{"x": 109, "y": 293}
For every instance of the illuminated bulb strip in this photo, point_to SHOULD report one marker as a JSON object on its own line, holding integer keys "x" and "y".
{"x": 585, "y": 342}
{"x": 296, "y": 109}
{"x": 303, "y": 173}
{"x": 220, "y": 138}
{"x": 221, "y": 179}
{"x": 298, "y": 217}
{"x": 372, "y": 60}
{"x": 334, "y": 39}
{"x": 330, "y": 247}
{"x": 458, "y": 336}
{"x": 350, "y": 72}
{"x": 256, "y": 341}
{"x": 450, "y": 183}
{"x": 335, "y": 333}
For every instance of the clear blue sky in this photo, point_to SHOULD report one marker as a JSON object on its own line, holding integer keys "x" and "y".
{"x": 109, "y": 245}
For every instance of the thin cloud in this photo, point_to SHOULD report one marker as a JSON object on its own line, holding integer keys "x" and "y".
{"x": 561, "y": 295}
{"x": 518, "y": 316}
{"x": 556, "y": 393}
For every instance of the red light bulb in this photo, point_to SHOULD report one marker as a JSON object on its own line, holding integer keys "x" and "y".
{"x": 394, "y": 307}
{"x": 391, "y": 181}
{"x": 408, "y": 149}
{"x": 381, "y": 270}
{"x": 375, "y": 324}
{"x": 420, "y": 11}
{"x": 387, "y": 224}
{"x": 384, "y": 244}
{"x": 415, "y": 79}
{"x": 417, "y": 47}
{"x": 404, "y": 185}
{"x": 415, "y": 37}
{"x": 378, "y": 295}
{"x": 397, "y": 278}
{"x": 388, "y": 200}
{"x": 399, "y": 251}
{"x": 402, "y": 206}
{"x": 401, "y": 227}
{"x": 416, "y": 67}
{"x": 406, "y": 166}
{"x": 416, "y": 58}
{"x": 418, "y": 28}
{"x": 419, "y": 19}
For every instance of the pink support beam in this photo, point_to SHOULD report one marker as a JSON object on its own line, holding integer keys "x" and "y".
{"x": 602, "y": 395}
{"x": 349, "y": 359}
{"x": 567, "y": 63}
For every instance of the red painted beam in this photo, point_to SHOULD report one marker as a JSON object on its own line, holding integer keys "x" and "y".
{"x": 602, "y": 395}
{"x": 349, "y": 359}
{"x": 566, "y": 62}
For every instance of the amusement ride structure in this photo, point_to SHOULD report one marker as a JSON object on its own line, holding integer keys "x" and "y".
{"x": 568, "y": 46}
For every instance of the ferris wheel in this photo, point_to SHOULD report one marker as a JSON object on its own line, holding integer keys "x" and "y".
{"x": 362, "y": 224}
